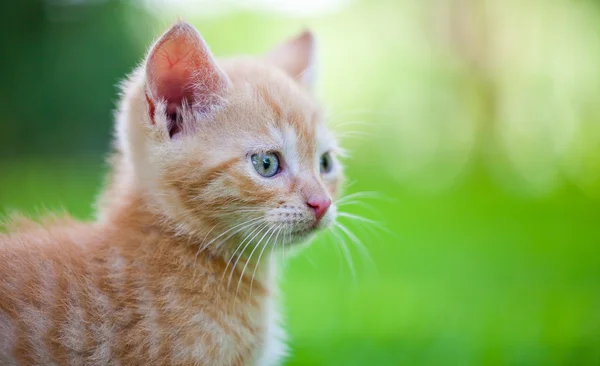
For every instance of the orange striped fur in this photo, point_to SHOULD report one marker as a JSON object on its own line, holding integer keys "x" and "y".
{"x": 177, "y": 269}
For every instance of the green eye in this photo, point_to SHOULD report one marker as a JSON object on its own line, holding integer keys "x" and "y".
{"x": 326, "y": 163}
{"x": 266, "y": 165}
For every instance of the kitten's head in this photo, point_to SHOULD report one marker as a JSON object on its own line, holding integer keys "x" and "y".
{"x": 237, "y": 146}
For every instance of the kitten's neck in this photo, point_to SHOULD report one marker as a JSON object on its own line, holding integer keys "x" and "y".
{"x": 128, "y": 208}
{"x": 128, "y": 215}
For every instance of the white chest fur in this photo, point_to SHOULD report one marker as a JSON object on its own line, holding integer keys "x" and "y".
{"x": 274, "y": 349}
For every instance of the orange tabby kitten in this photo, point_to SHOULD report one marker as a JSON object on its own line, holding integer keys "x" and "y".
{"x": 218, "y": 165}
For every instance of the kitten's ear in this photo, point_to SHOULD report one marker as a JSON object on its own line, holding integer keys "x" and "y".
{"x": 297, "y": 58}
{"x": 181, "y": 70}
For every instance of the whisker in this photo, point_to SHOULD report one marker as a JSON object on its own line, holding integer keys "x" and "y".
{"x": 359, "y": 203}
{"x": 258, "y": 226}
{"x": 366, "y": 194}
{"x": 271, "y": 229}
{"x": 239, "y": 256}
{"x": 276, "y": 240}
{"x": 207, "y": 234}
{"x": 366, "y": 220}
{"x": 353, "y": 238}
{"x": 330, "y": 240}
{"x": 245, "y": 210}
{"x": 310, "y": 260}
{"x": 278, "y": 229}
{"x": 346, "y": 253}
{"x": 200, "y": 249}
{"x": 232, "y": 228}
{"x": 283, "y": 245}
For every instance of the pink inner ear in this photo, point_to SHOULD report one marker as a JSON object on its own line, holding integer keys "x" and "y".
{"x": 172, "y": 66}
{"x": 181, "y": 70}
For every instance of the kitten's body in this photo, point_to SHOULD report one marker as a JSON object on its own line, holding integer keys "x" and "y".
{"x": 157, "y": 279}
{"x": 127, "y": 290}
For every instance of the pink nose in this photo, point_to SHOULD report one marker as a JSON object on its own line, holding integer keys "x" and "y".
{"x": 320, "y": 205}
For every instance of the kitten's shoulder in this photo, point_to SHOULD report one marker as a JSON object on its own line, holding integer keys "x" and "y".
{"x": 19, "y": 231}
{"x": 17, "y": 222}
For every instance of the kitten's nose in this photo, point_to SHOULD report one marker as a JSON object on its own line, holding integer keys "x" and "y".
{"x": 320, "y": 205}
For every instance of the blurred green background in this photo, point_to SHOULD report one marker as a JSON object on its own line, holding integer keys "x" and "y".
{"x": 476, "y": 123}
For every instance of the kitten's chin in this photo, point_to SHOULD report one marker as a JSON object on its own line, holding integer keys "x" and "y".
{"x": 300, "y": 238}
{"x": 306, "y": 235}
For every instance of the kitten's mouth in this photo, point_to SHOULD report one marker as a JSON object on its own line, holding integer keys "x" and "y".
{"x": 303, "y": 232}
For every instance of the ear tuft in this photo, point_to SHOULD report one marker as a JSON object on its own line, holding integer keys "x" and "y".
{"x": 182, "y": 72}
{"x": 297, "y": 57}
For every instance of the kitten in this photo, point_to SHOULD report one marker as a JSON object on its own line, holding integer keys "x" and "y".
{"x": 218, "y": 166}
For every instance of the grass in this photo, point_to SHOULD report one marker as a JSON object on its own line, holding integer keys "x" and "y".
{"x": 472, "y": 276}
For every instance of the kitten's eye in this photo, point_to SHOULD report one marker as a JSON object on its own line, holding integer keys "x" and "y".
{"x": 266, "y": 165}
{"x": 326, "y": 163}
